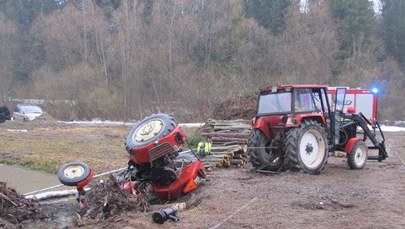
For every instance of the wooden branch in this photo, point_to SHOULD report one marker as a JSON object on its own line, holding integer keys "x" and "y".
{"x": 6, "y": 198}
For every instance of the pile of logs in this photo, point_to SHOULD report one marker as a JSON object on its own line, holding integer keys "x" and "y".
{"x": 226, "y": 157}
{"x": 229, "y": 139}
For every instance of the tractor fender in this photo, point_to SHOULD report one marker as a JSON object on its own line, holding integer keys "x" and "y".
{"x": 350, "y": 144}
{"x": 261, "y": 124}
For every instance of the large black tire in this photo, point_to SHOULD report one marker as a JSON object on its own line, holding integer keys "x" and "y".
{"x": 306, "y": 148}
{"x": 73, "y": 173}
{"x": 357, "y": 157}
{"x": 261, "y": 155}
{"x": 150, "y": 129}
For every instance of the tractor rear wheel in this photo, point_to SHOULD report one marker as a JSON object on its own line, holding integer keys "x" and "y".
{"x": 357, "y": 158}
{"x": 306, "y": 148}
{"x": 261, "y": 155}
{"x": 150, "y": 129}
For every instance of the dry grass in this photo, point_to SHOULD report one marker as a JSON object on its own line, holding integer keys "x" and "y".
{"x": 48, "y": 148}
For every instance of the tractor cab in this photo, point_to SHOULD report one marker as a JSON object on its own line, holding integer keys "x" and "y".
{"x": 288, "y": 99}
{"x": 287, "y": 106}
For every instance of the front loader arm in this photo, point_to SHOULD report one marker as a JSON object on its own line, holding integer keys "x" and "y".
{"x": 362, "y": 121}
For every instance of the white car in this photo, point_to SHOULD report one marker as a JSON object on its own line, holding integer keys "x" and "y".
{"x": 27, "y": 112}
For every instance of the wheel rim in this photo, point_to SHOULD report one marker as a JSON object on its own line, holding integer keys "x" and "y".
{"x": 360, "y": 155}
{"x": 312, "y": 149}
{"x": 148, "y": 130}
{"x": 73, "y": 171}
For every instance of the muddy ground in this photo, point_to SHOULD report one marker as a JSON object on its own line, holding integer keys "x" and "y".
{"x": 239, "y": 198}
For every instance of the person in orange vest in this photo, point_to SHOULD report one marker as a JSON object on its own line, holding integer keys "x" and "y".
{"x": 204, "y": 147}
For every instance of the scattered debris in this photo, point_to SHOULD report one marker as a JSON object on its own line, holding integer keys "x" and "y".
{"x": 163, "y": 215}
{"x": 107, "y": 199}
{"x": 14, "y": 208}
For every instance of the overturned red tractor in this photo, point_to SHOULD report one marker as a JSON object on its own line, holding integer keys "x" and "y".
{"x": 296, "y": 127}
{"x": 157, "y": 167}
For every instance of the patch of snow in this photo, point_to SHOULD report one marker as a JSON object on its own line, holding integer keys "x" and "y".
{"x": 191, "y": 125}
{"x": 97, "y": 122}
{"x": 392, "y": 128}
{"x": 16, "y": 130}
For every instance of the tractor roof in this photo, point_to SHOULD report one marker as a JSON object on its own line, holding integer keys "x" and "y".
{"x": 291, "y": 86}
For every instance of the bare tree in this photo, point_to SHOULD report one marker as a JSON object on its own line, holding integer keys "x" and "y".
{"x": 7, "y": 33}
{"x": 309, "y": 45}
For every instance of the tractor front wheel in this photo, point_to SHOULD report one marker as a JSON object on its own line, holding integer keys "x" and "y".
{"x": 71, "y": 174}
{"x": 262, "y": 155}
{"x": 357, "y": 158}
{"x": 306, "y": 148}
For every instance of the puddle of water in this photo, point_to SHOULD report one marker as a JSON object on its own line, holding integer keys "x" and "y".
{"x": 24, "y": 180}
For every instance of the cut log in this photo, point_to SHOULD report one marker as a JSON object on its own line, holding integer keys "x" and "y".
{"x": 213, "y": 160}
{"x": 227, "y": 122}
{"x": 237, "y": 149}
{"x": 232, "y": 143}
{"x": 225, "y": 153}
{"x": 226, "y": 139}
{"x": 227, "y": 134}
{"x": 232, "y": 128}
{"x": 223, "y": 148}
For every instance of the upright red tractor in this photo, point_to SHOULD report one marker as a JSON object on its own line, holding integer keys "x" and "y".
{"x": 296, "y": 127}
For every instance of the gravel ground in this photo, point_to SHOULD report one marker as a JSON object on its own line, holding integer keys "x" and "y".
{"x": 240, "y": 198}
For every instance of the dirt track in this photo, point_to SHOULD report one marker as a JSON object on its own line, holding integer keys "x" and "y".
{"x": 239, "y": 198}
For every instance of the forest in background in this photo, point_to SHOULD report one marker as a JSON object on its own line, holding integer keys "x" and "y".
{"x": 124, "y": 59}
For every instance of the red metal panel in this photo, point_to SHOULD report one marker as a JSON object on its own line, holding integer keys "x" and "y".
{"x": 175, "y": 189}
{"x": 350, "y": 144}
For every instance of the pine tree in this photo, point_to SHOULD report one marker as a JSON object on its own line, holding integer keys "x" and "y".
{"x": 268, "y": 13}
{"x": 356, "y": 20}
{"x": 394, "y": 28}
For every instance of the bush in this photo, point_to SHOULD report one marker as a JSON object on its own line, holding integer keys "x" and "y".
{"x": 195, "y": 138}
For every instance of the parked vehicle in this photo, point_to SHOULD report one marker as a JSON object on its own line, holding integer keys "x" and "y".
{"x": 296, "y": 126}
{"x": 4, "y": 114}
{"x": 27, "y": 112}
